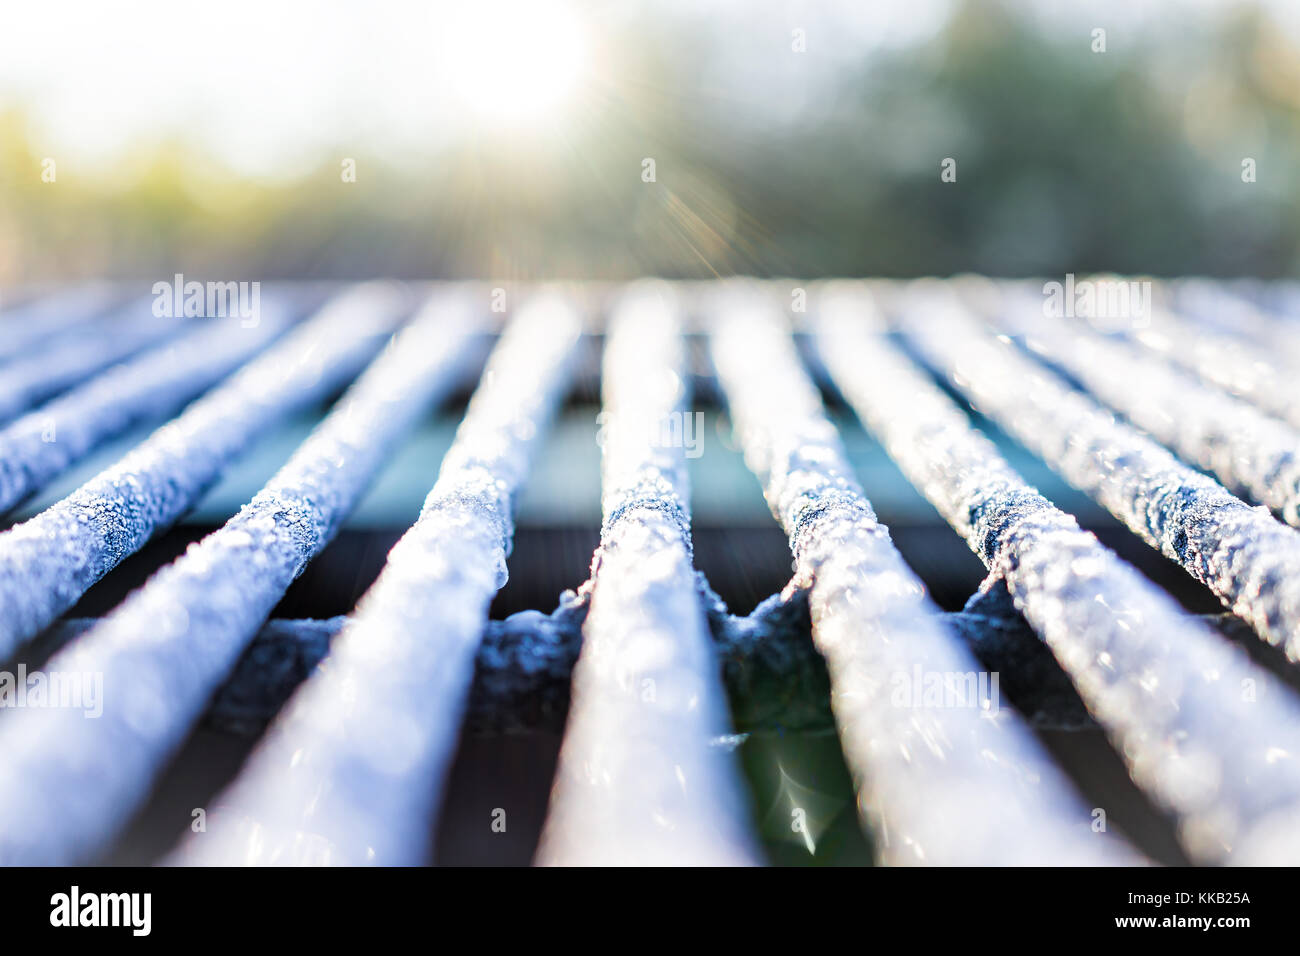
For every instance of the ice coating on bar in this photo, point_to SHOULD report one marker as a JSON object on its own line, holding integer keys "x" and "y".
{"x": 43, "y": 443}
{"x": 1211, "y": 737}
{"x": 638, "y": 782}
{"x": 353, "y": 771}
{"x": 71, "y": 783}
{"x": 50, "y": 560}
{"x": 1251, "y": 452}
{"x": 56, "y": 315}
{"x": 50, "y": 367}
{"x": 1249, "y": 559}
{"x": 937, "y": 784}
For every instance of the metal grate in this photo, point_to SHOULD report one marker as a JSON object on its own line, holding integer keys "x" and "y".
{"x": 644, "y": 668}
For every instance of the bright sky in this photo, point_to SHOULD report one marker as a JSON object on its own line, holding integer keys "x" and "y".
{"x": 266, "y": 85}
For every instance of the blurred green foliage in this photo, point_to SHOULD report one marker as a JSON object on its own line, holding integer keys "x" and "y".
{"x": 1067, "y": 161}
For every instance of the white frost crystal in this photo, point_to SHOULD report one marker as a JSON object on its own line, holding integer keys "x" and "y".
{"x": 49, "y": 561}
{"x": 71, "y": 783}
{"x": 1242, "y": 553}
{"x": 1211, "y": 737}
{"x": 937, "y": 784}
{"x": 353, "y": 770}
{"x": 638, "y": 781}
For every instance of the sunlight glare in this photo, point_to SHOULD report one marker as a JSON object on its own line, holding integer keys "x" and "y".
{"x": 513, "y": 61}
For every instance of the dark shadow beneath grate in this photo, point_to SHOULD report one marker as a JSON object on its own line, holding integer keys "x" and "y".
{"x": 1104, "y": 784}
{"x": 208, "y": 761}
{"x": 744, "y": 565}
{"x": 496, "y": 800}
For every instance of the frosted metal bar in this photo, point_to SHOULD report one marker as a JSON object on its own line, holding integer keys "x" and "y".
{"x": 1265, "y": 378}
{"x": 70, "y": 783}
{"x": 1213, "y": 739}
{"x": 154, "y": 385}
{"x": 48, "y": 562}
{"x": 54, "y": 316}
{"x": 1213, "y": 303}
{"x": 638, "y": 782}
{"x": 1244, "y": 555}
{"x": 1251, "y": 452}
{"x": 95, "y": 345}
{"x": 354, "y": 771}
{"x": 947, "y": 777}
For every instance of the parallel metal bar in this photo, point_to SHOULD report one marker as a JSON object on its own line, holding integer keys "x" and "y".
{"x": 1266, "y": 379}
{"x": 939, "y": 782}
{"x": 54, "y": 316}
{"x": 68, "y": 359}
{"x": 48, "y": 562}
{"x": 1211, "y": 737}
{"x": 1251, "y": 452}
{"x": 71, "y": 783}
{"x": 1244, "y": 555}
{"x": 637, "y": 781}
{"x": 1236, "y": 317}
{"x": 151, "y": 386}
{"x": 354, "y": 771}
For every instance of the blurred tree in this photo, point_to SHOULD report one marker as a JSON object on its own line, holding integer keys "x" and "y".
{"x": 1065, "y": 160}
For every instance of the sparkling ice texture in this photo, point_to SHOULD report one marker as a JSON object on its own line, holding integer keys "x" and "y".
{"x": 638, "y": 782}
{"x": 937, "y": 784}
{"x": 148, "y": 387}
{"x": 48, "y": 562}
{"x": 70, "y": 783}
{"x": 353, "y": 771}
{"x": 1211, "y": 737}
{"x": 1243, "y": 554}
{"x": 1252, "y": 452}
